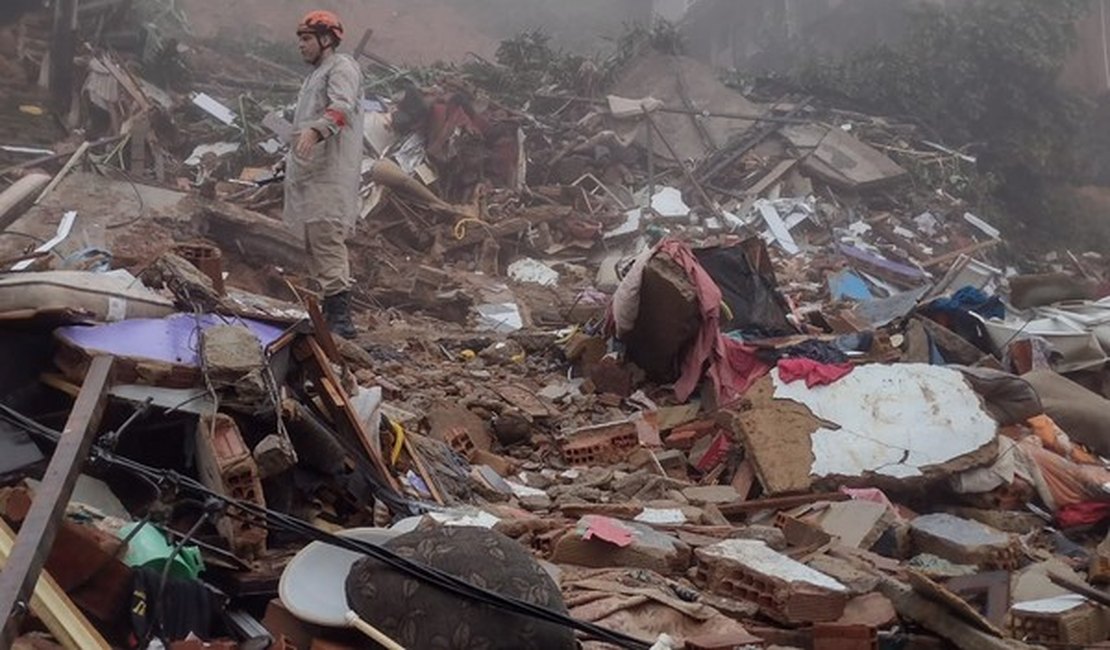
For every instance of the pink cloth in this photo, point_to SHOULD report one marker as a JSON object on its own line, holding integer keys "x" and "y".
{"x": 709, "y": 353}
{"x": 747, "y": 368}
{"x": 730, "y": 365}
{"x": 814, "y": 372}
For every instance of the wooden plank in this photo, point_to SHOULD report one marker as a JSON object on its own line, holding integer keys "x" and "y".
{"x": 960, "y": 608}
{"x": 709, "y": 202}
{"x": 772, "y": 177}
{"x": 422, "y": 469}
{"x": 36, "y": 536}
{"x": 338, "y": 405}
{"x": 744, "y": 478}
{"x": 1099, "y": 596}
{"x": 38, "y": 162}
{"x": 51, "y": 605}
{"x": 780, "y": 503}
{"x": 17, "y": 198}
{"x": 320, "y": 330}
{"x": 966, "y": 250}
{"x": 70, "y": 164}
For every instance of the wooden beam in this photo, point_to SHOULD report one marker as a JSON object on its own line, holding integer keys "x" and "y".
{"x": 51, "y": 605}
{"x": 709, "y": 202}
{"x": 15, "y": 200}
{"x": 70, "y": 164}
{"x": 38, "y": 162}
{"x": 967, "y": 250}
{"x": 338, "y": 406}
{"x": 36, "y": 535}
{"x": 1097, "y": 595}
{"x": 779, "y": 503}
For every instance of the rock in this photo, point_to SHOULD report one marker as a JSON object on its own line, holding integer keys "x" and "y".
{"x": 535, "y": 502}
{"x": 634, "y": 545}
{"x": 873, "y": 610}
{"x": 857, "y": 580}
{"x": 938, "y": 567}
{"x": 503, "y": 353}
{"x": 234, "y": 364}
{"x": 769, "y": 535}
{"x": 512, "y": 429}
{"x": 714, "y": 494}
{"x": 964, "y": 542}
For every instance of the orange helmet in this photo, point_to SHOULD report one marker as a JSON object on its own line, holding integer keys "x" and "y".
{"x": 320, "y": 23}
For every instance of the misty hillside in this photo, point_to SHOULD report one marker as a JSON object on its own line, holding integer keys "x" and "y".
{"x": 423, "y": 31}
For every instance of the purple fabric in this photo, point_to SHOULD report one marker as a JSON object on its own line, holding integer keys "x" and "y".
{"x": 173, "y": 339}
{"x": 881, "y": 262}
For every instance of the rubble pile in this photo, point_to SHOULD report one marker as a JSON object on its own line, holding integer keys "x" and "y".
{"x": 643, "y": 364}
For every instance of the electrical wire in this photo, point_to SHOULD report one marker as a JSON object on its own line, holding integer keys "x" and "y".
{"x": 234, "y": 508}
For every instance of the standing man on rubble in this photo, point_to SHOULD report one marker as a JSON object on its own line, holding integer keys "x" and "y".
{"x": 324, "y": 168}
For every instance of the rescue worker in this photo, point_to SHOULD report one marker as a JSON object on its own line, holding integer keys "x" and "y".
{"x": 323, "y": 170}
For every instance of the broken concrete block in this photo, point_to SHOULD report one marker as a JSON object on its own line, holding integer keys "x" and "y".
{"x": 1032, "y": 582}
{"x": 769, "y": 535}
{"x": 901, "y": 421}
{"x": 835, "y": 636}
{"x": 602, "y": 445}
{"x": 800, "y": 533}
{"x": 856, "y": 523}
{"x": 234, "y": 364}
{"x": 684, "y": 436}
{"x": 1064, "y": 620}
{"x": 872, "y": 609}
{"x": 458, "y": 427}
{"x": 274, "y": 455}
{"x": 225, "y": 465}
{"x": 714, "y": 494}
{"x": 599, "y": 542}
{"x": 850, "y": 575}
{"x": 1021, "y": 523}
{"x": 938, "y": 567}
{"x": 784, "y": 589}
{"x": 964, "y": 542}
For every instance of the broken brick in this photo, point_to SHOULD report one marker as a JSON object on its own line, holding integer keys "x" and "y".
{"x": 226, "y": 465}
{"x": 683, "y": 437}
{"x": 783, "y": 588}
{"x": 845, "y": 637}
{"x": 602, "y": 445}
{"x": 964, "y": 542}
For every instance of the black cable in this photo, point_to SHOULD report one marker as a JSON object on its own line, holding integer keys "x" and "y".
{"x": 429, "y": 575}
{"x": 160, "y": 611}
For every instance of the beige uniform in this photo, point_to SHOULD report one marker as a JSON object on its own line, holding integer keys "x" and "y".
{"x": 322, "y": 191}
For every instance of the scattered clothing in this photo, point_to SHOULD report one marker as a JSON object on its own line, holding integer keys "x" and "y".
{"x": 747, "y": 367}
{"x": 708, "y": 355}
{"x": 815, "y": 373}
{"x": 813, "y": 349}
{"x": 1083, "y": 514}
{"x": 973, "y": 300}
{"x": 186, "y": 607}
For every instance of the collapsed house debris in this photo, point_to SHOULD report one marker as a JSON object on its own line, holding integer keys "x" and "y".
{"x": 661, "y": 366}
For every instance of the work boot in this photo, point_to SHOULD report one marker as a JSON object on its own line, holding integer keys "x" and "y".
{"x": 337, "y": 314}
